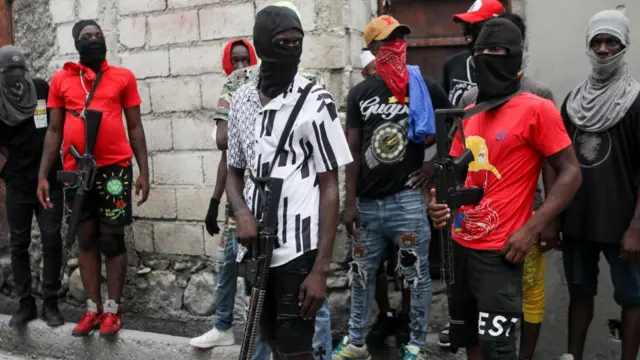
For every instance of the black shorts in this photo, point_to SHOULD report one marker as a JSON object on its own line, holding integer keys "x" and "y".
{"x": 281, "y": 325}
{"x": 486, "y": 297}
{"x": 109, "y": 200}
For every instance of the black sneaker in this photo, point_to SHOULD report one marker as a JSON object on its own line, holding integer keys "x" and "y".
{"x": 443, "y": 338}
{"x": 383, "y": 327}
{"x": 26, "y": 313}
{"x": 51, "y": 314}
{"x": 402, "y": 330}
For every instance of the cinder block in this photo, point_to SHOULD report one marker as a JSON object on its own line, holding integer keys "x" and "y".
{"x": 147, "y": 64}
{"x": 306, "y": 8}
{"x": 88, "y": 9}
{"x": 178, "y": 238}
{"x": 62, "y": 11}
{"x": 143, "y": 236}
{"x": 210, "y": 160}
{"x": 158, "y": 134}
{"x": 136, "y": 170}
{"x": 193, "y": 133}
{"x": 66, "y": 44}
{"x": 126, "y": 7}
{"x": 161, "y": 204}
{"x": 133, "y": 31}
{"x": 195, "y": 60}
{"x": 194, "y": 203}
{"x": 219, "y": 22}
{"x": 184, "y": 168}
{"x": 211, "y": 243}
{"x": 325, "y": 51}
{"x": 174, "y": 4}
{"x": 145, "y": 95}
{"x": 360, "y": 13}
{"x": 173, "y": 28}
{"x": 211, "y": 85}
{"x": 176, "y": 94}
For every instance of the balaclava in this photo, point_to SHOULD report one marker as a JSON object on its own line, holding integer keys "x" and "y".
{"x": 18, "y": 98}
{"x": 473, "y": 31}
{"x": 498, "y": 75}
{"x": 279, "y": 63}
{"x": 92, "y": 52}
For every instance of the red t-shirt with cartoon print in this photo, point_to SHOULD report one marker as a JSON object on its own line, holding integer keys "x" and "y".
{"x": 509, "y": 145}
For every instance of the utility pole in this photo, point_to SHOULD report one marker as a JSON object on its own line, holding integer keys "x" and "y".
{"x": 6, "y": 38}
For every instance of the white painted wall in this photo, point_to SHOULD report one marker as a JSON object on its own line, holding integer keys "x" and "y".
{"x": 557, "y": 40}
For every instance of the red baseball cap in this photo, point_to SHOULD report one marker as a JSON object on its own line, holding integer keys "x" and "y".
{"x": 481, "y": 10}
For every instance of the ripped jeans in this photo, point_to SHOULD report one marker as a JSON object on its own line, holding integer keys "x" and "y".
{"x": 401, "y": 217}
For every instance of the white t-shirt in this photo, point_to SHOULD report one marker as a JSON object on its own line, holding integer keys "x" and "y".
{"x": 316, "y": 144}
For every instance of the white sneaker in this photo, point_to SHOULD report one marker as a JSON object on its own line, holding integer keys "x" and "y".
{"x": 566, "y": 357}
{"x": 213, "y": 338}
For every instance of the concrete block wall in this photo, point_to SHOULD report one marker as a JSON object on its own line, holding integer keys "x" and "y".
{"x": 174, "y": 48}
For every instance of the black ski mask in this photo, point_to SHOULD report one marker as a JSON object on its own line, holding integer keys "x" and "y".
{"x": 498, "y": 75}
{"x": 472, "y": 31}
{"x": 279, "y": 61}
{"x": 92, "y": 51}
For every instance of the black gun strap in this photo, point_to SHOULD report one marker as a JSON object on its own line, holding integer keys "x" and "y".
{"x": 479, "y": 108}
{"x": 292, "y": 119}
{"x": 89, "y": 95}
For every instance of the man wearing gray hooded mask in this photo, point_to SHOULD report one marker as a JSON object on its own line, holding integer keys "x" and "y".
{"x": 602, "y": 116}
{"x": 24, "y": 120}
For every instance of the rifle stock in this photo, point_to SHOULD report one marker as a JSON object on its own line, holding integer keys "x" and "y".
{"x": 256, "y": 269}
{"x": 82, "y": 178}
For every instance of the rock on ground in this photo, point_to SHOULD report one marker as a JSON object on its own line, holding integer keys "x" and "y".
{"x": 199, "y": 296}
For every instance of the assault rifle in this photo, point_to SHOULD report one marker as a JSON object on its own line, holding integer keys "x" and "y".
{"x": 255, "y": 266}
{"x": 82, "y": 178}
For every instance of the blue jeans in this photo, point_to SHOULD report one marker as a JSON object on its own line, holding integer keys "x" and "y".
{"x": 401, "y": 217}
{"x": 225, "y": 300}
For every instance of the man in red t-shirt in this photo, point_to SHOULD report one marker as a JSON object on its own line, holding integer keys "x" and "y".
{"x": 107, "y": 207}
{"x": 492, "y": 239}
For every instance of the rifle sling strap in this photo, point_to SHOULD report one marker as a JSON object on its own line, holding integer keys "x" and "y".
{"x": 289, "y": 125}
{"x": 482, "y": 107}
{"x": 89, "y": 95}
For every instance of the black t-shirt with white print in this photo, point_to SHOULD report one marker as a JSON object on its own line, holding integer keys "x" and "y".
{"x": 459, "y": 75}
{"x": 604, "y": 205}
{"x": 387, "y": 156}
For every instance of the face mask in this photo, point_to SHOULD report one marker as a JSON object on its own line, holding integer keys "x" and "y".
{"x": 391, "y": 64}
{"x": 277, "y": 73}
{"x": 604, "y": 68}
{"x": 92, "y": 52}
{"x": 497, "y": 75}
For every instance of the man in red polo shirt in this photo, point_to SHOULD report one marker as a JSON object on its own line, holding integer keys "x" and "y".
{"x": 107, "y": 207}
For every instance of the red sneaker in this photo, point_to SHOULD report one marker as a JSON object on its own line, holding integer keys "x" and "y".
{"x": 89, "y": 322}
{"x": 110, "y": 324}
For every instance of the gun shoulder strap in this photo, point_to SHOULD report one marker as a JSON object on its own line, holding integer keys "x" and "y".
{"x": 89, "y": 95}
{"x": 292, "y": 119}
{"x": 482, "y": 107}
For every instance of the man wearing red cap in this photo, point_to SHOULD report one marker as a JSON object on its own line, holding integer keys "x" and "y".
{"x": 459, "y": 74}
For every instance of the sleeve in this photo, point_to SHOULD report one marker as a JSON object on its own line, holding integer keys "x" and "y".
{"x": 130, "y": 96}
{"x": 445, "y": 77}
{"x": 325, "y": 133}
{"x": 354, "y": 116}
{"x": 235, "y": 156}
{"x": 468, "y": 98}
{"x": 456, "y": 145}
{"x": 224, "y": 101}
{"x": 55, "y": 99}
{"x": 546, "y": 130}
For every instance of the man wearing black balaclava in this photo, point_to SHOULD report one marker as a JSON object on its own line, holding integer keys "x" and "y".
{"x": 308, "y": 165}
{"x": 23, "y": 124}
{"x": 491, "y": 240}
{"x": 107, "y": 207}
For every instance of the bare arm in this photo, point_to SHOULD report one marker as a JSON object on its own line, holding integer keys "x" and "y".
{"x": 352, "y": 169}
{"x": 561, "y": 191}
{"x": 221, "y": 142}
{"x": 235, "y": 184}
{"x": 52, "y": 142}
{"x": 137, "y": 138}
{"x": 4, "y": 151}
{"x": 329, "y": 208}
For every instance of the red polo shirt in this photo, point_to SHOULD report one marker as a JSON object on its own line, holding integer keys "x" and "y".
{"x": 116, "y": 91}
